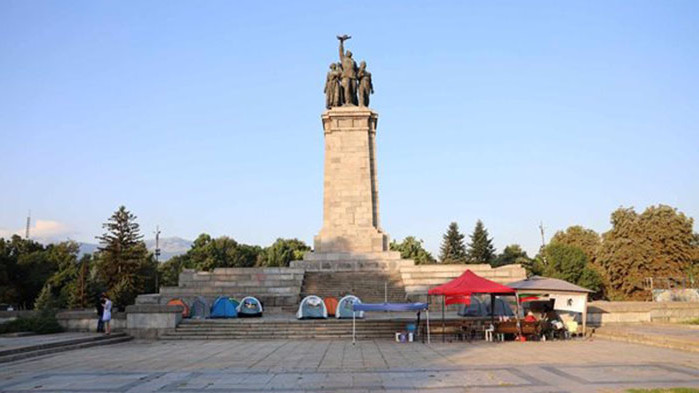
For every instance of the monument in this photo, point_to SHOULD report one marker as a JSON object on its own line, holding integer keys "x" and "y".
{"x": 351, "y": 252}
{"x": 351, "y": 237}
{"x": 350, "y": 192}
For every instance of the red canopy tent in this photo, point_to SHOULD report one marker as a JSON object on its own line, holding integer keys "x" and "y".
{"x": 461, "y": 288}
{"x": 469, "y": 283}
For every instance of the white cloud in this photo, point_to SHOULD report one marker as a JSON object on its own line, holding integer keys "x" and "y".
{"x": 44, "y": 231}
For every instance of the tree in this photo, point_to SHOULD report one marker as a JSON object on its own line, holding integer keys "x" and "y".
{"x": 208, "y": 253}
{"x": 453, "y": 249}
{"x": 170, "y": 271}
{"x": 512, "y": 254}
{"x": 480, "y": 249}
{"x": 63, "y": 282}
{"x": 655, "y": 244}
{"x": 570, "y": 263}
{"x": 411, "y": 248}
{"x": 124, "y": 263}
{"x": 585, "y": 239}
{"x": 282, "y": 252}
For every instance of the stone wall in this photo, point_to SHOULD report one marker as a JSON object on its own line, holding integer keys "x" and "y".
{"x": 152, "y": 320}
{"x": 419, "y": 279}
{"x": 274, "y": 287}
{"x": 601, "y": 313}
{"x": 86, "y": 320}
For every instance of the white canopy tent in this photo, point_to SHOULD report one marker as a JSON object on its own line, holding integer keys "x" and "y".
{"x": 567, "y": 296}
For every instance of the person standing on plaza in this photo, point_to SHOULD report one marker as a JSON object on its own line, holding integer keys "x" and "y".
{"x": 100, "y": 310}
{"x": 107, "y": 314}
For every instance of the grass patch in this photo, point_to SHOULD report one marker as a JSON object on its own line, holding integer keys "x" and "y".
{"x": 43, "y": 323}
{"x": 670, "y": 390}
{"x": 694, "y": 321}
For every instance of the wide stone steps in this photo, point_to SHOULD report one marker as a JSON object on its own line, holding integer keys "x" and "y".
{"x": 370, "y": 287}
{"x": 15, "y": 354}
{"x": 293, "y": 329}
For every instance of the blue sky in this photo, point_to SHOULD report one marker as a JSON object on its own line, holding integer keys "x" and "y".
{"x": 205, "y": 116}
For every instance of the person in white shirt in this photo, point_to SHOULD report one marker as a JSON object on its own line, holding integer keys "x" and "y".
{"x": 107, "y": 314}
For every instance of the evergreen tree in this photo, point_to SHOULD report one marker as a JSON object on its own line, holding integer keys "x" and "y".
{"x": 453, "y": 249}
{"x": 480, "y": 249}
{"x": 124, "y": 263}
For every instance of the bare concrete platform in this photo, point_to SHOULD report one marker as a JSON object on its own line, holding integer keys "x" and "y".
{"x": 338, "y": 366}
{"x": 667, "y": 335}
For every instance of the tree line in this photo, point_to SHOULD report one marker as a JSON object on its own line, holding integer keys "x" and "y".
{"x": 658, "y": 243}
{"x": 54, "y": 276}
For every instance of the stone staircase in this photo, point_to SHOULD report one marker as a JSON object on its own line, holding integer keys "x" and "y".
{"x": 242, "y": 329}
{"x": 370, "y": 287}
{"x": 30, "y": 351}
{"x": 277, "y": 288}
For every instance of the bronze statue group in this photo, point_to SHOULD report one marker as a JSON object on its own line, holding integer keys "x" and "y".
{"x": 347, "y": 84}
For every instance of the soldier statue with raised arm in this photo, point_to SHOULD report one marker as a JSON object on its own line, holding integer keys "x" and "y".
{"x": 349, "y": 73}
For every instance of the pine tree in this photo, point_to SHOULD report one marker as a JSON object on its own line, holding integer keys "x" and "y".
{"x": 123, "y": 257}
{"x": 480, "y": 249}
{"x": 453, "y": 249}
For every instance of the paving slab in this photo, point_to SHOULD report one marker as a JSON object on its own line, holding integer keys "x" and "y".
{"x": 339, "y": 366}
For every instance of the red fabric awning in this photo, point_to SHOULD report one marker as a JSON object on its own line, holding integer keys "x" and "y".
{"x": 458, "y": 299}
{"x": 469, "y": 283}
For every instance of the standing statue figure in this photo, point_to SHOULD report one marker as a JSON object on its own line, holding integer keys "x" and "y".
{"x": 365, "y": 85}
{"x": 332, "y": 87}
{"x": 349, "y": 74}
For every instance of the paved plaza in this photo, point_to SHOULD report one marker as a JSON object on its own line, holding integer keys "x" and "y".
{"x": 338, "y": 366}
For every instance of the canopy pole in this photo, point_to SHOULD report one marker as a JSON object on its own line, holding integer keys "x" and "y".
{"x": 354, "y": 333}
{"x": 584, "y": 317}
{"x": 492, "y": 309}
{"x": 428, "y": 326}
{"x": 519, "y": 325}
{"x": 444, "y": 329}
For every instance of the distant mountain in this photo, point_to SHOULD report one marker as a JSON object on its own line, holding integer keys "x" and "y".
{"x": 86, "y": 248}
{"x": 169, "y": 247}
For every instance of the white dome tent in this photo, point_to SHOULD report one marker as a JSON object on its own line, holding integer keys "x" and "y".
{"x": 312, "y": 307}
{"x": 345, "y": 310}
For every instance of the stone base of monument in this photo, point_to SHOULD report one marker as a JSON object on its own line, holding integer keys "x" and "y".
{"x": 352, "y": 262}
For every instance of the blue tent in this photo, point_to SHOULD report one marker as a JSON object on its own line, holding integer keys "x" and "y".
{"x": 344, "y": 307}
{"x": 223, "y": 308}
{"x": 312, "y": 307}
{"x": 250, "y": 307}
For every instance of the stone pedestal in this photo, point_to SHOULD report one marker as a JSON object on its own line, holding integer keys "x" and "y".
{"x": 350, "y": 193}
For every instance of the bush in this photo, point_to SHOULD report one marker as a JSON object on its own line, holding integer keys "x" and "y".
{"x": 44, "y": 323}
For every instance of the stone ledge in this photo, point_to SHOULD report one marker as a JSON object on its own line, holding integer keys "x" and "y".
{"x": 153, "y": 309}
{"x": 348, "y": 256}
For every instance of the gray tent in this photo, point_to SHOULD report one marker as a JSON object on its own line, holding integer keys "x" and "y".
{"x": 199, "y": 309}
{"x": 480, "y": 308}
